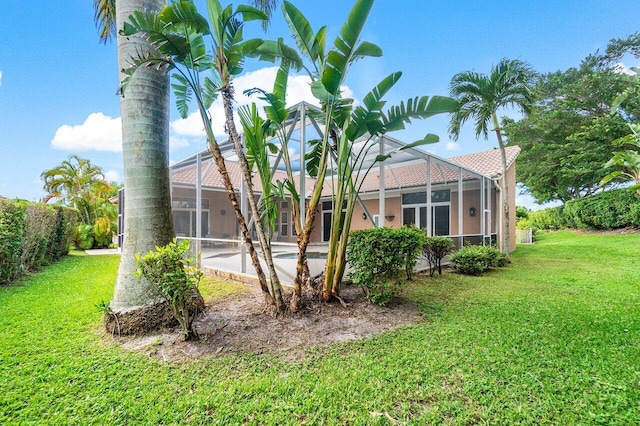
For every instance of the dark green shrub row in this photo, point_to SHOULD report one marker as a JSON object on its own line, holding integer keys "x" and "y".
{"x": 378, "y": 258}
{"x": 608, "y": 210}
{"x": 618, "y": 208}
{"x": 32, "y": 235}
{"x": 474, "y": 260}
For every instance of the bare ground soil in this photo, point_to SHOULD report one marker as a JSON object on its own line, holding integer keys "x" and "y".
{"x": 238, "y": 323}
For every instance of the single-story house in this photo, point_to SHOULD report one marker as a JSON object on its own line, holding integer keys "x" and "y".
{"x": 464, "y": 202}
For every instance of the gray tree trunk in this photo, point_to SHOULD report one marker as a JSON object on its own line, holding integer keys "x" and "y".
{"x": 145, "y": 148}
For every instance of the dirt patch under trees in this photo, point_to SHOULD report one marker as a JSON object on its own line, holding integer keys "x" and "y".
{"x": 238, "y": 323}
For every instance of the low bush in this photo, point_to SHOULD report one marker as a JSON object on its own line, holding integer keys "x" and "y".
{"x": 175, "y": 278}
{"x": 103, "y": 231}
{"x": 474, "y": 260}
{"x": 410, "y": 243}
{"x": 84, "y": 238}
{"x": 434, "y": 250}
{"x": 378, "y": 257}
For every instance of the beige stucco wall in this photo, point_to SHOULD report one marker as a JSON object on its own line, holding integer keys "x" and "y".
{"x": 222, "y": 221}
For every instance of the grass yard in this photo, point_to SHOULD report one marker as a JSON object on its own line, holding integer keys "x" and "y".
{"x": 552, "y": 339}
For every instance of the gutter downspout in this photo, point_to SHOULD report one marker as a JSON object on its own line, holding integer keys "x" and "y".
{"x": 501, "y": 214}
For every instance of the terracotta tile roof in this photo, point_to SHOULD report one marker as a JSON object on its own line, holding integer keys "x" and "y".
{"x": 487, "y": 163}
{"x": 213, "y": 179}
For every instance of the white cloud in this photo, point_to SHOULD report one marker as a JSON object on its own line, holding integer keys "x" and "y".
{"x": 98, "y": 133}
{"x": 298, "y": 90}
{"x": 452, "y": 146}
{"x": 176, "y": 143}
{"x": 0, "y": 78}
{"x": 112, "y": 176}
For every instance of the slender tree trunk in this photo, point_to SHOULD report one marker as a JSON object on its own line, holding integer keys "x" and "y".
{"x": 505, "y": 186}
{"x": 214, "y": 148}
{"x": 302, "y": 270}
{"x": 145, "y": 140}
{"x": 275, "y": 286}
{"x": 341, "y": 259}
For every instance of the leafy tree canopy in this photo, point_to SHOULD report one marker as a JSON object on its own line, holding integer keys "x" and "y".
{"x": 566, "y": 139}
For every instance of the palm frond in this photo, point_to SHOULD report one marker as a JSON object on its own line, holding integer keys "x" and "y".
{"x": 105, "y": 18}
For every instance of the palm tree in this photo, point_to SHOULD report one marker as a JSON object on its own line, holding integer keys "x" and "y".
{"x": 77, "y": 183}
{"x": 105, "y": 18}
{"x": 481, "y": 96}
{"x": 145, "y": 124}
{"x": 145, "y": 149}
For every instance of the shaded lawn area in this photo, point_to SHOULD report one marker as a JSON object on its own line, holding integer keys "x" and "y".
{"x": 552, "y": 339}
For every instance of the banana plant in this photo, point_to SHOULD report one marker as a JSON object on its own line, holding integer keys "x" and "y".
{"x": 277, "y": 114}
{"x": 327, "y": 72}
{"x": 178, "y": 34}
{"x": 357, "y": 135}
{"x": 627, "y": 162}
{"x": 349, "y": 133}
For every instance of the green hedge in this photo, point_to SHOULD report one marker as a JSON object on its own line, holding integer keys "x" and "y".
{"x": 608, "y": 210}
{"x": 32, "y": 235}
{"x": 618, "y": 208}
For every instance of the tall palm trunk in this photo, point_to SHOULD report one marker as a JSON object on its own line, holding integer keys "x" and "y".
{"x": 505, "y": 186}
{"x": 145, "y": 146}
{"x": 275, "y": 287}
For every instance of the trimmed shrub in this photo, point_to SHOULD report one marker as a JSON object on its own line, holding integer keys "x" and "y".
{"x": 378, "y": 257}
{"x": 434, "y": 250}
{"x": 175, "y": 279}
{"x": 410, "y": 243}
{"x": 474, "y": 260}
{"x": 40, "y": 224}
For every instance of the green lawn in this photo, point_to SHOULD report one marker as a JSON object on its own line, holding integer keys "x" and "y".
{"x": 552, "y": 339}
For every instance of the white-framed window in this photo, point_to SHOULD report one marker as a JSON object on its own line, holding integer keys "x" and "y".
{"x": 414, "y": 210}
{"x": 284, "y": 223}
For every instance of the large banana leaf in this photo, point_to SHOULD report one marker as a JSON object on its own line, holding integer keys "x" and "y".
{"x": 418, "y": 107}
{"x": 183, "y": 93}
{"x": 210, "y": 91}
{"x": 366, "y": 118}
{"x": 184, "y": 13}
{"x": 345, "y": 46}
{"x": 310, "y": 44}
{"x": 272, "y": 50}
{"x": 157, "y": 32}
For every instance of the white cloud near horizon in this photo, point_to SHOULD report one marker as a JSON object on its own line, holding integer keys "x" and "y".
{"x": 298, "y": 90}
{"x": 453, "y": 146}
{"x": 99, "y": 132}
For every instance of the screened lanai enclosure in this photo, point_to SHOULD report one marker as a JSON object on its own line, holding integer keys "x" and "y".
{"x": 457, "y": 197}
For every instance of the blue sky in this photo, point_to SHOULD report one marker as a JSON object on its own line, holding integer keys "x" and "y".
{"x": 58, "y": 83}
